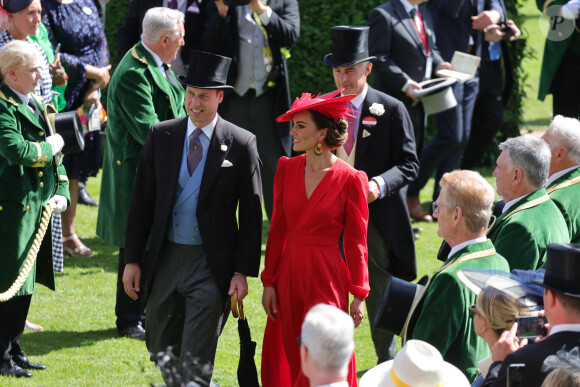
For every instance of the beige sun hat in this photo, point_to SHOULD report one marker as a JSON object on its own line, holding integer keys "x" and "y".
{"x": 418, "y": 364}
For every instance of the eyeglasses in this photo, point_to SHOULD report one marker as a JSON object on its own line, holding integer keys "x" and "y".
{"x": 473, "y": 311}
{"x": 435, "y": 207}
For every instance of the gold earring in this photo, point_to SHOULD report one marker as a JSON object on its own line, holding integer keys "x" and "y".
{"x": 318, "y": 149}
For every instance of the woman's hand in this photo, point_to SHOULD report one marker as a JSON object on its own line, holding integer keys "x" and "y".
{"x": 100, "y": 74}
{"x": 357, "y": 311}
{"x": 270, "y": 302}
{"x": 91, "y": 97}
{"x": 57, "y": 73}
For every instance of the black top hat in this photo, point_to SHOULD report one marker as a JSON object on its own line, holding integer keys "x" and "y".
{"x": 349, "y": 46}
{"x": 398, "y": 304}
{"x": 207, "y": 71}
{"x": 70, "y": 128}
{"x": 563, "y": 269}
{"x": 14, "y": 6}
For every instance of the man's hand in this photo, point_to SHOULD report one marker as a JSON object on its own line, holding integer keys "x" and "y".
{"x": 132, "y": 280}
{"x": 494, "y": 32}
{"x": 257, "y": 6}
{"x": 507, "y": 343}
{"x": 91, "y": 98}
{"x": 444, "y": 66}
{"x": 374, "y": 191}
{"x": 570, "y": 10}
{"x": 412, "y": 86}
{"x": 239, "y": 282}
{"x": 270, "y": 302}
{"x": 60, "y": 203}
{"x": 485, "y": 19}
{"x": 221, "y": 8}
{"x": 357, "y": 311}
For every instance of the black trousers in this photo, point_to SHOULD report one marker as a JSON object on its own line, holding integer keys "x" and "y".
{"x": 129, "y": 312}
{"x": 566, "y": 86}
{"x": 12, "y": 319}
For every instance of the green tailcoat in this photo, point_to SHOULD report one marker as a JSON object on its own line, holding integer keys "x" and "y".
{"x": 554, "y": 52}
{"x": 139, "y": 96}
{"x": 565, "y": 193}
{"x": 444, "y": 320}
{"x": 29, "y": 178}
{"x": 522, "y": 233}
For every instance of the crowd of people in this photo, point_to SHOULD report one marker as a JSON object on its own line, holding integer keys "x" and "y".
{"x": 200, "y": 130}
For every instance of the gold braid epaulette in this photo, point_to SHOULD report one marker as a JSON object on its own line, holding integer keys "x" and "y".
{"x": 565, "y": 184}
{"x": 44, "y": 223}
{"x": 469, "y": 257}
{"x": 531, "y": 204}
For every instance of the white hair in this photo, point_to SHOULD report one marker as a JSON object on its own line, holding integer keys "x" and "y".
{"x": 328, "y": 335}
{"x": 532, "y": 155}
{"x": 565, "y": 131}
{"x": 159, "y": 21}
{"x": 17, "y": 54}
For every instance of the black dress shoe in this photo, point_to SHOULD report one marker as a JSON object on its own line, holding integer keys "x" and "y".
{"x": 24, "y": 362}
{"x": 133, "y": 332}
{"x": 10, "y": 369}
{"x": 85, "y": 198}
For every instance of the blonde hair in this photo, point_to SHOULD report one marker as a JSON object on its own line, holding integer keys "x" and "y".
{"x": 472, "y": 193}
{"x": 498, "y": 309}
{"x": 17, "y": 54}
{"x": 561, "y": 377}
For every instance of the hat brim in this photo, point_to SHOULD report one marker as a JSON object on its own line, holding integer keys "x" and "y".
{"x": 185, "y": 83}
{"x": 317, "y": 103}
{"x": 425, "y": 281}
{"x": 329, "y": 60}
{"x": 380, "y": 376}
{"x": 555, "y": 289}
{"x": 433, "y": 86}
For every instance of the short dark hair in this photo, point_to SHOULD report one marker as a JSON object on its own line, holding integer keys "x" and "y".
{"x": 337, "y": 129}
{"x": 568, "y": 302}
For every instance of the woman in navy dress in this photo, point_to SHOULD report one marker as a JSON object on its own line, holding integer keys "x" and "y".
{"x": 84, "y": 53}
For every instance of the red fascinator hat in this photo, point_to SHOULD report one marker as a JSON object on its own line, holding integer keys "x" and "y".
{"x": 327, "y": 105}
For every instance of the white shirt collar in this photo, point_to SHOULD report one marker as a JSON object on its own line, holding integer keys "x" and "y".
{"x": 565, "y": 328}
{"x": 156, "y": 57}
{"x": 408, "y": 6}
{"x": 336, "y": 384}
{"x": 462, "y": 245}
{"x": 512, "y": 202}
{"x": 207, "y": 130}
{"x": 359, "y": 99}
{"x": 557, "y": 175}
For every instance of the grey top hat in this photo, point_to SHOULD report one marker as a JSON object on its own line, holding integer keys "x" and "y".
{"x": 436, "y": 95}
{"x": 563, "y": 269}
{"x": 350, "y": 45}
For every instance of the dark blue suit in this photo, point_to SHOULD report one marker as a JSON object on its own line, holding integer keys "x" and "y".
{"x": 452, "y": 24}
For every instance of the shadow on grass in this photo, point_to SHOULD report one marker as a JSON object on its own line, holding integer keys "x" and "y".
{"x": 41, "y": 343}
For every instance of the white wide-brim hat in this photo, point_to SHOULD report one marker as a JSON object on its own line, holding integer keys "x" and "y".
{"x": 418, "y": 364}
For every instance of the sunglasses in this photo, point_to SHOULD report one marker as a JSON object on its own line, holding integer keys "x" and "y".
{"x": 473, "y": 311}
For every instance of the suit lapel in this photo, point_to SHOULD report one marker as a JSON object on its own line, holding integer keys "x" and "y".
{"x": 427, "y": 26}
{"x": 408, "y": 24}
{"x": 215, "y": 156}
{"x": 363, "y": 142}
{"x": 174, "y": 154}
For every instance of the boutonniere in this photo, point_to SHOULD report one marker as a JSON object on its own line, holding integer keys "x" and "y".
{"x": 377, "y": 109}
{"x": 224, "y": 147}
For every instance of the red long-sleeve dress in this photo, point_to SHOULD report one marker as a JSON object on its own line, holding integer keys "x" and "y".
{"x": 303, "y": 260}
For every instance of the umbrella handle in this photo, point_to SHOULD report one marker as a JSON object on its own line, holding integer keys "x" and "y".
{"x": 237, "y": 306}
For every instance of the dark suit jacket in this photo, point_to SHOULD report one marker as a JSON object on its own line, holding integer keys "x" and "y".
{"x": 230, "y": 248}
{"x": 532, "y": 356}
{"x": 221, "y": 37}
{"x": 130, "y": 32}
{"x": 400, "y": 54}
{"x": 452, "y": 24}
{"x": 389, "y": 152}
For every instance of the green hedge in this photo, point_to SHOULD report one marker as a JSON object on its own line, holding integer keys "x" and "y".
{"x": 308, "y": 73}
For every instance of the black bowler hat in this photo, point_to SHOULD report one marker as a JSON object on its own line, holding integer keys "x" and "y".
{"x": 349, "y": 46}
{"x": 70, "y": 128}
{"x": 14, "y": 6}
{"x": 398, "y": 305}
{"x": 563, "y": 269}
{"x": 207, "y": 71}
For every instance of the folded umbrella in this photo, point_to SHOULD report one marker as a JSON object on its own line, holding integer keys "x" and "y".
{"x": 247, "y": 373}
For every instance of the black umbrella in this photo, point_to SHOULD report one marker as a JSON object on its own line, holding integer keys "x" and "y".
{"x": 247, "y": 373}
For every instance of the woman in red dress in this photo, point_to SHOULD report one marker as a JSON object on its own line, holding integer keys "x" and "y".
{"x": 316, "y": 197}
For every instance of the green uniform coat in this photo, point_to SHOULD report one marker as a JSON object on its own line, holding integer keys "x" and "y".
{"x": 565, "y": 193}
{"x": 139, "y": 96}
{"x": 29, "y": 178}
{"x": 554, "y": 52}
{"x": 522, "y": 233}
{"x": 444, "y": 320}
